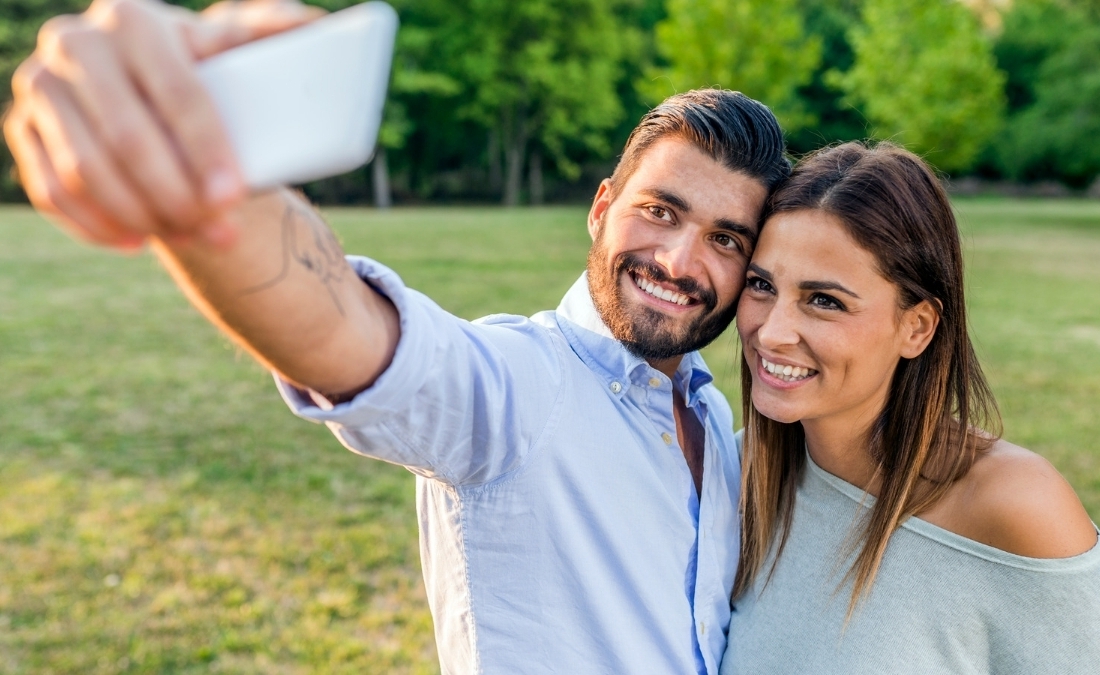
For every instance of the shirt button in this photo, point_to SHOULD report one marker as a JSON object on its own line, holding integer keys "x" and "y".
{"x": 702, "y": 627}
{"x": 666, "y": 438}
{"x": 654, "y": 382}
{"x": 616, "y": 387}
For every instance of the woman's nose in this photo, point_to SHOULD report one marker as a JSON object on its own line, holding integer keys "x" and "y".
{"x": 779, "y": 327}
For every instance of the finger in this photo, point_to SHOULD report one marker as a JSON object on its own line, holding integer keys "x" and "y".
{"x": 35, "y": 173}
{"x": 225, "y": 25}
{"x": 118, "y": 114}
{"x": 46, "y": 193}
{"x": 83, "y": 168}
{"x": 163, "y": 69}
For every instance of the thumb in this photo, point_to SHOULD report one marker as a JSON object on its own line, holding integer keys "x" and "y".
{"x": 225, "y": 25}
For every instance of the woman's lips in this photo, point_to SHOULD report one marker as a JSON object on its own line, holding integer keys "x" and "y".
{"x": 783, "y": 376}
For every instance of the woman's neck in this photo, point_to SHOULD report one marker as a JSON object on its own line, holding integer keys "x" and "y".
{"x": 842, "y": 448}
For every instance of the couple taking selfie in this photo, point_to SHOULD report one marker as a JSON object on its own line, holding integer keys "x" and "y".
{"x": 585, "y": 501}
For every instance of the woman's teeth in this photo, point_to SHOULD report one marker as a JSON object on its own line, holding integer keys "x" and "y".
{"x": 787, "y": 373}
{"x": 662, "y": 293}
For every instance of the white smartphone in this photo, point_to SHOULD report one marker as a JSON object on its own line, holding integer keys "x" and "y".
{"x": 306, "y": 104}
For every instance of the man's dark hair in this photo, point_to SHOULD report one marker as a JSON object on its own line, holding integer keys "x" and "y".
{"x": 738, "y": 132}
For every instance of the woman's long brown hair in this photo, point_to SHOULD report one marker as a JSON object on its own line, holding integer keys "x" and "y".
{"x": 940, "y": 415}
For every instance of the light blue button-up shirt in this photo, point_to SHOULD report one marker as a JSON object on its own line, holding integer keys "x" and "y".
{"x": 560, "y": 529}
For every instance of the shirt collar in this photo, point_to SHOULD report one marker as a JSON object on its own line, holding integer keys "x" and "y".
{"x": 592, "y": 341}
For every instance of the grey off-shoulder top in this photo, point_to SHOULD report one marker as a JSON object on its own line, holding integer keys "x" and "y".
{"x": 941, "y": 603}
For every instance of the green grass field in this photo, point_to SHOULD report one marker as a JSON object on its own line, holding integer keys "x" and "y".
{"x": 162, "y": 512}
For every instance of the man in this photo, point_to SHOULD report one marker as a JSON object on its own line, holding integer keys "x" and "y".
{"x": 576, "y": 479}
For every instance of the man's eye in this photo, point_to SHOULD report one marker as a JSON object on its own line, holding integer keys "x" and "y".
{"x": 823, "y": 301}
{"x": 727, "y": 241}
{"x": 659, "y": 212}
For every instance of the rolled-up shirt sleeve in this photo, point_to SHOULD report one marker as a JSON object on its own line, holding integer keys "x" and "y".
{"x": 462, "y": 402}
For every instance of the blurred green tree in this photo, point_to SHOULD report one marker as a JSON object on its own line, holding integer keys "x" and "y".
{"x": 19, "y": 24}
{"x": 924, "y": 75}
{"x": 1050, "y": 51}
{"x": 412, "y": 79}
{"x": 538, "y": 75}
{"x": 836, "y": 121}
{"x": 578, "y": 93}
{"x": 758, "y": 47}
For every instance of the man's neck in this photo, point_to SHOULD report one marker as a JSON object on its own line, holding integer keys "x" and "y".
{"x": 667, "y": 366}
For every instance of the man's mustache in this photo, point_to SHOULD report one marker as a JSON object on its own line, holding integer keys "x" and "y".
{"x": 628, "y": 262}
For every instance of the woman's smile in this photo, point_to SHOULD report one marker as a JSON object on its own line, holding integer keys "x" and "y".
{"x": 783, "y": 375}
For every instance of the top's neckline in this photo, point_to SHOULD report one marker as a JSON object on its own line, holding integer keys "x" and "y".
{"x": 955, "y": 541}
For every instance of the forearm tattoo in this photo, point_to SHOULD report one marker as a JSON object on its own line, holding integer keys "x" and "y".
{"x": 308, "y": 242}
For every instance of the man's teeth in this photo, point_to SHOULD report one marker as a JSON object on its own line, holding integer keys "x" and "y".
{"x": 787, "y": 373}
{"x": 662, "y": 293}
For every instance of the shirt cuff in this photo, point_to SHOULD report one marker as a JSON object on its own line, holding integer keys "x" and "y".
{"x": 394, "y": 389}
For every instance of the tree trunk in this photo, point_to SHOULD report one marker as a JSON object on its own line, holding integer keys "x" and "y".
{"x": 538, "y": 194}
{"x": 495, "y": 174}
{"x": 515, "y": 145}
{"x": 383, "y": 199}
{"x": 514, "y": 168}
{"x": 1094, "y": 189}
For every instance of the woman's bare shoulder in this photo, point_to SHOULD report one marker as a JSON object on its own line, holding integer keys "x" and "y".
{"x": 1015, "y": 500}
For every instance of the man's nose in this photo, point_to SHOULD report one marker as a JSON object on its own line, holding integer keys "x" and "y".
{"x": 681, "y": 255}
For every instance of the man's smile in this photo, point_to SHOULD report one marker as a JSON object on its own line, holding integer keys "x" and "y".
{"x": 661, "y": 291}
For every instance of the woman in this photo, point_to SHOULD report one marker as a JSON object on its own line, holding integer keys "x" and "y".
{"x": 887, "y": 529}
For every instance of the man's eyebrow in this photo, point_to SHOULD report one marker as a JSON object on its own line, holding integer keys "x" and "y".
{"x": 669, "y": 198}
{"x": 737, "y": 228}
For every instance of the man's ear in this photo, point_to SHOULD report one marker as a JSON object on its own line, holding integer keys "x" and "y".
{"x": 919, "y": 324}
{"x": 600, "y": 203}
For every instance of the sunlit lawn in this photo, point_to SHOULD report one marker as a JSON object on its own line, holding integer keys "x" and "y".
{"x": 161, "y": 511}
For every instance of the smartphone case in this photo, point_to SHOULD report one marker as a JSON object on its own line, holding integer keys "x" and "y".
{"x": 306, "y": 104}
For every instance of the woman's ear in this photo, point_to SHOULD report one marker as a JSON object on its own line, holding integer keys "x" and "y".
{"x": 918, "y": 325}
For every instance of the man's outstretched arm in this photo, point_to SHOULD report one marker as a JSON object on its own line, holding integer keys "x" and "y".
{"x": 116, "y": 140}
{"x": 284, "y": 291}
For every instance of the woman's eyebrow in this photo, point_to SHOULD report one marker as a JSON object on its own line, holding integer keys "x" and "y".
{"x": 760, "y": 272}
{"x": 826, "y": 286}
{"x": 805, "y": 285}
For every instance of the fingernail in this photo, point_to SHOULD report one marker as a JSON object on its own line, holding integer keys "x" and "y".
{"x": 220, "y": 234}
{"x": 178, "y": 238}
{"x": 222, "y": 187}
{"x": 130, "y": 245}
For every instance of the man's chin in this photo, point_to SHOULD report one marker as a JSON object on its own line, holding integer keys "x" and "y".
{"x": 658, "y": 336}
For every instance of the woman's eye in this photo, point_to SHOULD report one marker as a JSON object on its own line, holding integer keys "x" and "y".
{"x": 758, "y": 284}
{"x": 823, "y": 301}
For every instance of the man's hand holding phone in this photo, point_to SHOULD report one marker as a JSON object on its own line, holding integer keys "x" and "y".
{"x": 114, "y": 134}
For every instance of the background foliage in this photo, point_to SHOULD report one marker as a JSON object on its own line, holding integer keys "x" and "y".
{"x": 1051, "y": 52}
{"x": 925, "y": 76}
{"x": 762, "y": 45}
{"x": 524, "y": 101}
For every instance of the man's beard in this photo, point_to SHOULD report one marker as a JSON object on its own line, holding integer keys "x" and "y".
{"x": 646, "y": 332}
